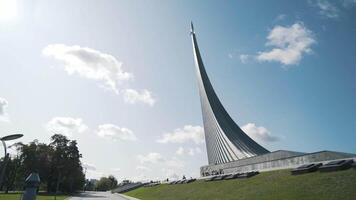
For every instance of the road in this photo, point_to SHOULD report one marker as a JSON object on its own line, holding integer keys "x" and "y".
{"x": 99, "y": 196}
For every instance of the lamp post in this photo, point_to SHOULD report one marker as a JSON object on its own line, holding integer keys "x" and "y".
{"x": 3, "y": 139}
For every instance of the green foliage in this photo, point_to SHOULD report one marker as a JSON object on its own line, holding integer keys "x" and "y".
{"x": 17, "y": 196}
{"x": 57, "y": 163}
{"x": 265, "y": 186}
{"x": 106, "y": 183}
{"x": 89, "y": 185}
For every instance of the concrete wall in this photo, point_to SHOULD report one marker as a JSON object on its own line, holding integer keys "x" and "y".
{"x": 274, "y": 161}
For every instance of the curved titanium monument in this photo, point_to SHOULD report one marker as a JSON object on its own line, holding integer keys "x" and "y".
{"x": 229, "y": 149}
{"x": 225, "y": 141}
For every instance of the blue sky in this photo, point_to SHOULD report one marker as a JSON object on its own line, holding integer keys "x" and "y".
{"x": 119, "y": 77}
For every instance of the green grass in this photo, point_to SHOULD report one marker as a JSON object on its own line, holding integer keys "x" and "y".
{"x": 17, "y": 196}
{"x": 274, "y": 185}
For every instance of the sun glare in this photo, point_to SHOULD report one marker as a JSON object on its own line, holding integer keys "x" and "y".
{"x": 8, "y": 9}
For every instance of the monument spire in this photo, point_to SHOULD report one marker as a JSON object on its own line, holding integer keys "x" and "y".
{"x": 191, "y": 27}
{"x": 225, "y": 141}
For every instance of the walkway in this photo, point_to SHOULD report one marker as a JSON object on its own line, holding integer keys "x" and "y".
{"x": 100, "y": 196}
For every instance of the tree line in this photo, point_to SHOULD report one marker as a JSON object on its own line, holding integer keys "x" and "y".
{"x": 57, "y": 163}
{"x": 103, "y": 184}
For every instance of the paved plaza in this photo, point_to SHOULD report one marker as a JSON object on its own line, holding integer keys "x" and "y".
{"x": 100, "y": 196}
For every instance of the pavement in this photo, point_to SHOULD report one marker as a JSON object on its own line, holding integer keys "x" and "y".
{"x": 100, "y": 196}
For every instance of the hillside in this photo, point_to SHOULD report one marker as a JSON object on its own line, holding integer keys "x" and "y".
{"x": 272, "y": 185}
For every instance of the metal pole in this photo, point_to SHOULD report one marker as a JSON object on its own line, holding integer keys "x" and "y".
{"x": 4, "y": 144}
{"x": 57, "y": 186}
{"x": 3, "y": 164}
{"x": 85, "y": 178}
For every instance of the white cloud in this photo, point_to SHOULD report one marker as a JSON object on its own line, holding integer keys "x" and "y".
{"x": 189, "y": 151}
{"x": 172, "y": 167}
{"x": 94, "y": 174}
{"x": 244, "y": 58}
{"x": 171, "y": 174}
{"x": 259, "y": 133}
{"x": 157, "y": 158}
{"x": 95, "y": 65}
{"x": 194, "y": 151}
{"x": 289, "y": 44}
{"x": 161, "y": 164}
{"x": 114, "y": 132}
{"x": 174, "y": 163}
{"x": 115, "y": 169}
{"x": 180, "y": 151}
{"x": 150, "y": 158}
{"x": 89, "y": 166}
{"x": 142, "y": 168}
{"x": 326, "y": 8}
{"x": 198, "y": 150}
{"x": 4, "y": 116}
{"x": 280, "y": 17}
{"x": 132, "y": 96}
{"x": 89, "y": 63}
{"x": 188, "y": 133}
{"x": 66, "y": 125}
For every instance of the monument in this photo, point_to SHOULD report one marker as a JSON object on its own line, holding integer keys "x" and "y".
{"x": 229, "y": 148}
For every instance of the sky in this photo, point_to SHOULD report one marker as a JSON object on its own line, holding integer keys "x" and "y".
{"x": 119, "y": 77}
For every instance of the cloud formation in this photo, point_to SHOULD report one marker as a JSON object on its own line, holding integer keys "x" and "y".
{"x": 244, "y": 58}
{"x": 280, "y": 17}
{"x": 89, "y": 63}
{"x": 180, "y": 151}
{"x": 142, "y": 168}
{"x": 116, "y": 170}
{"x": 152, "y": 157}
{"x": 164, "y": 166}
{"x": 132, "y": 96}
{"x": 326, "y": 9}
{"x": 114, "y": 132}
{"x": 66, "y": 126}
{"x": 289, "y": 44}
{"x": 89, "y": 166}
{"x": 189, "y": 151}
{"x": 185, "y": 134}
{"x": 4, "y": 116}
{"x": 259, "y": 133}
{"x": 95, "y": 65}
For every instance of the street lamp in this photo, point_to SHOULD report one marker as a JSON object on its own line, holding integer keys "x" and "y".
{"x": 3, "y": 139}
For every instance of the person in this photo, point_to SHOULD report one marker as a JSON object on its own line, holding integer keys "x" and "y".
{"x": 184, "y": 177}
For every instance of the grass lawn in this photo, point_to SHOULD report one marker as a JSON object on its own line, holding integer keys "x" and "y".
{"x": 274, "y": 185}
{"x": 16, "y": 196}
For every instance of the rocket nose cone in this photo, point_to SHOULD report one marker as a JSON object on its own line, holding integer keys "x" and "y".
{"x": 191, "y": 27}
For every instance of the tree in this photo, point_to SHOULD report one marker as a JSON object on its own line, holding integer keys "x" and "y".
{"x": 90, "y": 185}
{"x": 106, "y": 183}
{"x": 66, "y": 169}
{"x": 57, "y": 163}
{"x": 35, "y": 157}
{"x": 11, "y": 173}
{"x": 113, "y": 182}
{"x": 103, "y": 184}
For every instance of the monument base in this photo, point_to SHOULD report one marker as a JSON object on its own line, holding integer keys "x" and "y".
{"x": 276, "y": 160}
